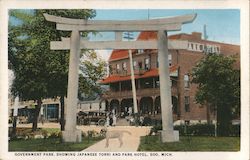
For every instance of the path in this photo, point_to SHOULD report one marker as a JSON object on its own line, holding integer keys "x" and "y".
{"x": 130, "y": 142}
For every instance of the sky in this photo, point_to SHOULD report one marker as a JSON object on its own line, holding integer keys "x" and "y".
{"x": 222, "y": 25}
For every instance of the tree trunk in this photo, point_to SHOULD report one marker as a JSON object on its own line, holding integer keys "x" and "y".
{"x": 208, "y": 114}
{"x": 224, "y": 120}
{"x": 62, "y": 121}
{"x": 13, "y": 134}
{"x": 36, "y": 114}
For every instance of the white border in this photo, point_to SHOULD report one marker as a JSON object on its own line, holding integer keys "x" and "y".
{"x": 243, "y": 5}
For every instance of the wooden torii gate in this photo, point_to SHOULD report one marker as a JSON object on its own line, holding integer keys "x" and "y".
{"x": 75, "y": 44}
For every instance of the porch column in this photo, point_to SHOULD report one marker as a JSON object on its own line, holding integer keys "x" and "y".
{"x": 153, "y": 107}
{"x": 71, "y": 134}
{"x": 119, "y": 107}
{"x": 167, "y": 133}
{"x": 139, "y": 104}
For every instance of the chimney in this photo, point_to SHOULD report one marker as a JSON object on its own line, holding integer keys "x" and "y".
{"x": 196, "y": 35}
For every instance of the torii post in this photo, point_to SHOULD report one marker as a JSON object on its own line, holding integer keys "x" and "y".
{"x": 75, "y": 44}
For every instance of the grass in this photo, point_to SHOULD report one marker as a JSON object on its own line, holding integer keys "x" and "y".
{"x": 50, "y": 144}
{"x": 153, "y": 143}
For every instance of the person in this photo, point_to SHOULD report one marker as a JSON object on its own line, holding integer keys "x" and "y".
{"x": 132, "y": 121}
{"x": 141, "y": 120}
{"x": 114, "y": 120}
{"x": 110, "y": 120}
{"x": 107, "y": 120}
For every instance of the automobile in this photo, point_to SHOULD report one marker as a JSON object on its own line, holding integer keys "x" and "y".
{"x": 94, "y": 117}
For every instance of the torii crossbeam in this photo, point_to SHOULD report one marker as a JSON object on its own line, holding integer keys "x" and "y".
{"x": 75, "y": 44}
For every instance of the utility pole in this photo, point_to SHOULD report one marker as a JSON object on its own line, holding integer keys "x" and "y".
{"x": 128, "y": 36}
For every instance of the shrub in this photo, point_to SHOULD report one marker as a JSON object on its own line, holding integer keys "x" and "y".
{"x": 198, "y": 130}
{"x": 84, "y": 134}
{"x": 56, "y": 135}
{"x": 93, "y": 133}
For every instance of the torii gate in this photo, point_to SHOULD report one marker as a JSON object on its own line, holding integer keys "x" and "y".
{"x": 75, "y": 44}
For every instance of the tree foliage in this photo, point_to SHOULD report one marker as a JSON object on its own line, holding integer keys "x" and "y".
{"x": 218, "y": 86}
{"x": 92, "y": 70}
{"x": 39, "y": 72}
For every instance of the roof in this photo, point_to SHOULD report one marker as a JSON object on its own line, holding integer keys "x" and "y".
{"x": 195, "y": 37}
{"x": 151, "y": 73}
{"x": 121, "y": 54}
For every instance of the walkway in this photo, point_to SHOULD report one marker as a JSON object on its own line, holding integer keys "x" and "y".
{"x": 130, "y": 142}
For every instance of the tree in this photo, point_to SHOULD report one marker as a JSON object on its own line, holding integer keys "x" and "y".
{"x": 218, "y": 87}
{"x": 92, "y": 70}
{"x": 39, "y": 72}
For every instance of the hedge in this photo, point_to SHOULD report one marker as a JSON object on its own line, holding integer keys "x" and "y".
{"x": 198, "y": 130}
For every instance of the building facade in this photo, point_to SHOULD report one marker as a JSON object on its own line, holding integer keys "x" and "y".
{"x": 145, "y": 63}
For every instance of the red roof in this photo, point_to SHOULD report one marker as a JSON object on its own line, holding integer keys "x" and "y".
{"x": 121, "y": 54}
{"x": 118, "y": 54}
{"x": 147, "y": 35}
{"x": 150, "y": 73}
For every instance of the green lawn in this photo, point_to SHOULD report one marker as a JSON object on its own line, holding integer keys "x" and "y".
{"x": 153, "y": 143}
{"x": 50, "y": 144}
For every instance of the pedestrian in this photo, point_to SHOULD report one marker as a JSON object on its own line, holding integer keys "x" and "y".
{"x": 114, "y": 120}
{"x": 141, "y": 120}
{"x": 110, "y": 120}
{"x": 107, "y": 120}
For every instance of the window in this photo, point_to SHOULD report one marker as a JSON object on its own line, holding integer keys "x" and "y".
{"x": 117, "y": 66}
{"x": 140, "y": 65}
{"x": 187, "y": 104}
{"x": 192, "y": 46}
{"x": 157, "y": 62}
{"x": 201, "y": 47}
{"x": 110, "y": 69}
{"x": 170, "y": 59}
{"x": 217, "y": 49}
{"x": 146, "y": 64}
{"x": 140, "y": 51}
{"x": 134, "y": 64}
{"x": 124, "y": 66}
{"x": 186, "y": 81}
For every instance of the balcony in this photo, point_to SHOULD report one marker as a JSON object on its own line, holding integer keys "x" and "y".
{"x": 128, "y": 94}
{"x": 127, "y": 72}
{"x": 139, "y": 93}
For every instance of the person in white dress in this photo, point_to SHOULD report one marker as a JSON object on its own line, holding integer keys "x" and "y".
{"x": 114, "y": 120}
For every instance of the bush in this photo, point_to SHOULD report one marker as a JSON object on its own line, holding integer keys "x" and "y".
{"x": 56, "y": 135}
{"x": 93, "y": 133}
{"x": 234, "y": 130}
{"x": 198, "y": 130}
